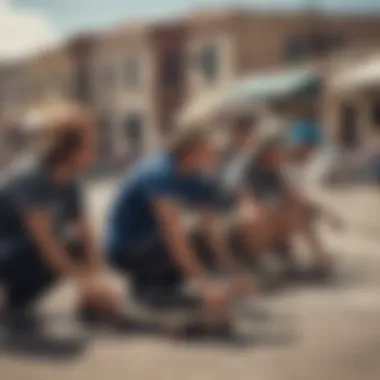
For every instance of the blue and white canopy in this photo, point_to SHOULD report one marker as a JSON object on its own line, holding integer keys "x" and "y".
{"x": 258, "y": 88}
{"x": 253, "y": 90}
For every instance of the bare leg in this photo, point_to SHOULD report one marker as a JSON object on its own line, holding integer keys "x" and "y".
{"x": 258, "y": 232}
{"x": 301, "y": 221}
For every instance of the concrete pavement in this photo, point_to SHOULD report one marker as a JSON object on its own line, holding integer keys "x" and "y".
{"x": 325, "y": 333}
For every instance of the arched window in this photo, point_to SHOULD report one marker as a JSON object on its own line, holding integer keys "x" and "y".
{"x": 209, "y": 62}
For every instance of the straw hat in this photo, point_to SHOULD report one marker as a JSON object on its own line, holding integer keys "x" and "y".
{"x": 183, "y": 135}
{"x": 47, "y": 122}
{"x": 55, "y": 116}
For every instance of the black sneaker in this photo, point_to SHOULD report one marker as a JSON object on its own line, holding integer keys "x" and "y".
{"x": 95, "y": 318}
{"x": 20, "y": 321}
{"x": 90, "y": 316}
{"x": 199, "y": 330}
{"x": 321, "y": 273}
{"x": 271, "y": 273}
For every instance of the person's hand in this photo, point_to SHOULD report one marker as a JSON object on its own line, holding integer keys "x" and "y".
{"x": 98, "y": 289}
{"x": 324, "y": 266}
{"x": 243, "y": 285}
{"x": 214, "y": 294}
{"x": 100, "y": 267}
{"x": 336, "y": 223}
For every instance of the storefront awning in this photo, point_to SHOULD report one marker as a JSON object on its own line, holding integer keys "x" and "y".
{"x": 251, "y": 91}
{"x": 362, "y": 75}
{"x": 279, "y": 85}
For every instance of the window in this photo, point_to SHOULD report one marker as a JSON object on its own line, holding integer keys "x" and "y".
{"x": 349, "y": 134}
{"x": 105, "y": 138}
{"x": 209, "y": 62}
{"x": 133, "y": 129}
{"x": 81, "y": 84}
{"x": 320, "y": 44}
{"x": 337, "y": 43}
{"x": 132, "y": 73}
{"x": 296, "y": 49}
{"x": 171, "y": 69}
{"x": 107, "y": 77}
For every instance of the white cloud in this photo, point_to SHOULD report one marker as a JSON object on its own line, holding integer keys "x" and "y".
{"x": 22, "y": 32}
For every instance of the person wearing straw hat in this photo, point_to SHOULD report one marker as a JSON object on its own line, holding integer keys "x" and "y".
{"x": 43, "y": 230}
{"x": 146, "y": 240}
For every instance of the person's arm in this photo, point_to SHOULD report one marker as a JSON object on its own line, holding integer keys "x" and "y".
{"x": 38, "y": 224}
{"x": 92, "y": 251}
{"x": 168, "y": 218}
{"x": 218, "y": 243}
{"x": 32, "y": 200}
{"x": 295, "y": 194}
{"x": 83, "y": 230}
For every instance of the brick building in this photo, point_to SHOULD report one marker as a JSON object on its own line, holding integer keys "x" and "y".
{"x": 353, "y": 100}
{"x": 234, "y": 43}
{"x": 137, "y": 76}
{"x": 138, "y": 84}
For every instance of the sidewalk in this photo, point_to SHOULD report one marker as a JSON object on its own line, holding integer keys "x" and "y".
{"x": 323, "y": 333}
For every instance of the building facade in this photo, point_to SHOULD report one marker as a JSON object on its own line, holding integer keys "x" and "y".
{"x": 228, "y": 44}
{"x": 353, "y": 101}
{"x": 136, "y": 77}
{"x": 137, "y": 86}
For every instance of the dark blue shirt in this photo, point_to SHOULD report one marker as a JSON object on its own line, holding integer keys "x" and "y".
{"x": 29, "y": 187}
{"x": 132, "y": 220}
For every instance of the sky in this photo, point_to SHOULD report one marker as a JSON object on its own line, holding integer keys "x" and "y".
{"x": 28, "y": 25}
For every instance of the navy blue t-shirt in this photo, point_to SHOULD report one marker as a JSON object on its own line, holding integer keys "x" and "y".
{"x": 29, "y": 187}
{"x": 132, "y": 221}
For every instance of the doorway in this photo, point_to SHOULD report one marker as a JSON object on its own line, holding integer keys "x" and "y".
{"x": 133, "y": 131}
{"x": 349, "y": 126}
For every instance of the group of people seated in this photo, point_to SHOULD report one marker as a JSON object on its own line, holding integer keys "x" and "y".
{"x": 245, "y": 205}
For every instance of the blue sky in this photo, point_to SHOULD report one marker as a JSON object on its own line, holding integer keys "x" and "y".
{"x": 29, "y": 25}
{"x": 70, "y": 15}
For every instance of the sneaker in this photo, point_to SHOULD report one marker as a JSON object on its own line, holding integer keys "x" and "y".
{"x": 90, "y": 316}
{"x": 271, "y": 272}
{"x": 20, "y": 321}
{"x": 93, "y": 317}
{"x": 199, "y": 330}
{"x": 321, "y": 273}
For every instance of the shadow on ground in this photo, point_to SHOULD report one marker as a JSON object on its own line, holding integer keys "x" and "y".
{"x": 44, "y": 347}
{"x": 54, "y": 343}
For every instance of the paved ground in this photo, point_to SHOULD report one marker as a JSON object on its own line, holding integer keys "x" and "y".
{"x": 329, "y": 333}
